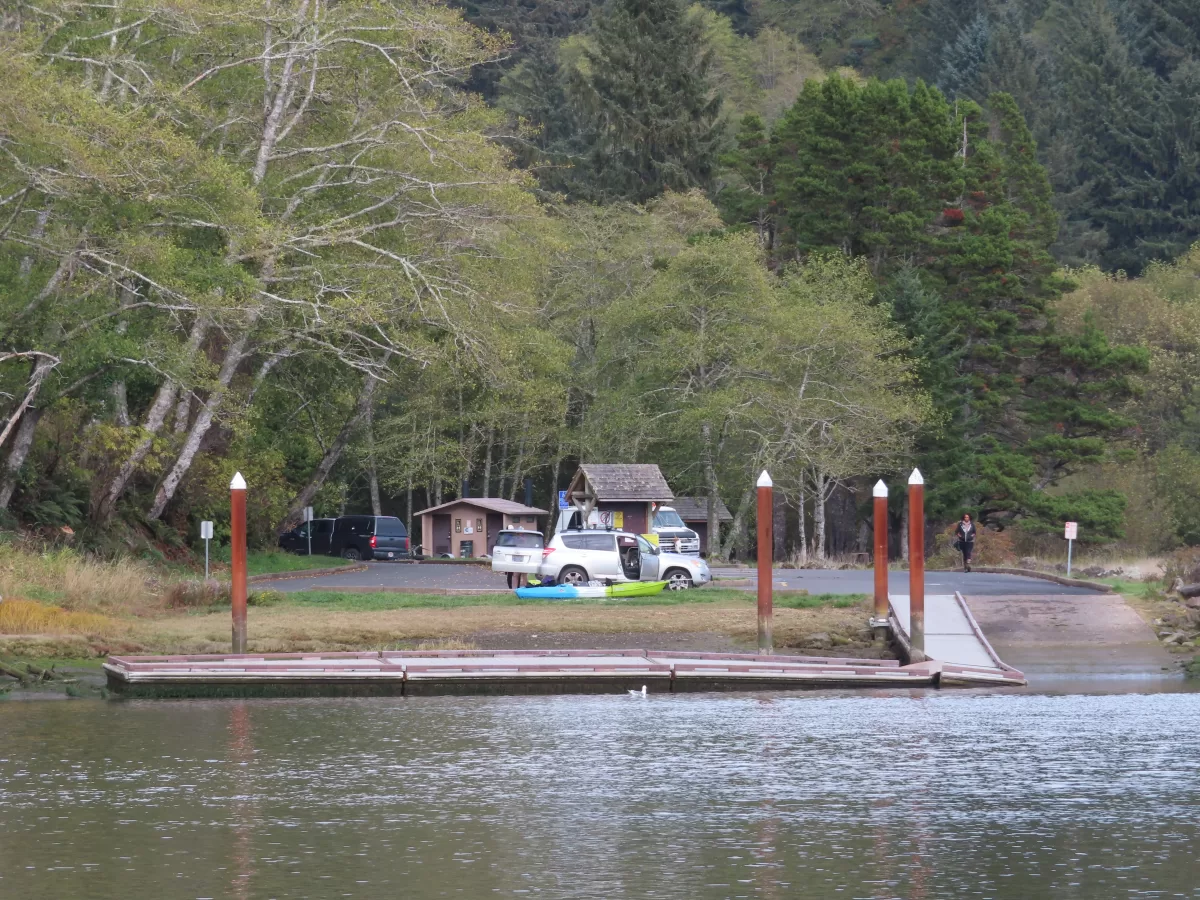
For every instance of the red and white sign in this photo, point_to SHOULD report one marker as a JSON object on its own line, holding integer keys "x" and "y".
{"x": 1071, "y": 532}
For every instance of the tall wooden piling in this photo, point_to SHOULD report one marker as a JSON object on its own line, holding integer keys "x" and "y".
{"x": 237, "y": 553}
{"x": 916, "y": 562}
{"x": 880, "y": 493}
{"x": 766, "y": 575}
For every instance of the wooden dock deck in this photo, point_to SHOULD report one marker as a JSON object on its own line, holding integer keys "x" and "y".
{"x": 408, "y": 673}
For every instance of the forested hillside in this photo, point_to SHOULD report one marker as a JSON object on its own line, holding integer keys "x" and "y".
{"x": 368, "y": 251}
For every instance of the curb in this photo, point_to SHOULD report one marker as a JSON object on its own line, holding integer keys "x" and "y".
{"x": 305, "y": 573}
{"x": 1045, "y": 576}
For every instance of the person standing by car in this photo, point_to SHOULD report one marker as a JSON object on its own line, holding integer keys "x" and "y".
{"x": 965, "y": 540}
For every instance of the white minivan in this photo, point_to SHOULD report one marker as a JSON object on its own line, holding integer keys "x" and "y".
{"x": 517, "y": 551}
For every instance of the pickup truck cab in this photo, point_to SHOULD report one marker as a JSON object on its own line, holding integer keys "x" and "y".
{"x": 673, "y": 534}
{"x": 579, "y": 556}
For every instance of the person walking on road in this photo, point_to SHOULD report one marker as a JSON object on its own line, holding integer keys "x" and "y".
{"x": 965, "y": 540}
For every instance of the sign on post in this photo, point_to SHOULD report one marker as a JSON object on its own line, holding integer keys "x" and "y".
{"x": 1071, "y": 533}
{"x": 308, "y": 517}
{"x": 562, "y": 500}
{"x": 206, "y": 533}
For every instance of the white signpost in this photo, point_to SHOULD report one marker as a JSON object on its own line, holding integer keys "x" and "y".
{"x": 308, "y": 518}
{"x": 206, "y": 532}
{"x": 1071, "y": 533}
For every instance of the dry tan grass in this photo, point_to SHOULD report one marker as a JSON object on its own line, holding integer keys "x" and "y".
{"x": 292, "y": 629}
{"x": 26, "y": 617}
{"x": 450, "y": 644}
{"x": 76, "y": 581}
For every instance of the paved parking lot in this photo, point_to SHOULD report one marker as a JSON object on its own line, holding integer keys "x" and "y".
{"x": 862, "y": 581}
{"x": 467, "y": 576}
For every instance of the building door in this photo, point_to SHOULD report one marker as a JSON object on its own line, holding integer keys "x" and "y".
{"x": 635, "y": 518}
{"x": 441, "y": 533}
{"x": 495, "y": 523}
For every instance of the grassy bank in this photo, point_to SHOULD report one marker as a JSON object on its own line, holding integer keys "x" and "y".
{"x": 65, "y": 607}
{"x": 326, "y": 622}
{"x": 77, "y": 581}
{"x": 371, "y": 602}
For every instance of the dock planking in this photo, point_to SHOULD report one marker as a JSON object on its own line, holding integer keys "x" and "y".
{"x": 411, "y": 673}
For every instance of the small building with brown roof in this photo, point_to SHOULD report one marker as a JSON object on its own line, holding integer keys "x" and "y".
{"x": 468, "y": 527}
{"x": 694, "y": 512}
{"x": 624, "y": 495}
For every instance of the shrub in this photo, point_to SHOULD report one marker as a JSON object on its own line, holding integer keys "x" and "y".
{"x": 196, "y": 594}
{"x": 1184, "y": 565}
{"x": 266, "y": 597}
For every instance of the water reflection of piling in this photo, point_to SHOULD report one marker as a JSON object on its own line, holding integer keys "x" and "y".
{"x": 244, "y": 808}
{"x": 764, "y": 853}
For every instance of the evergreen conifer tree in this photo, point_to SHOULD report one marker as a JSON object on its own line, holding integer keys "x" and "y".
{"x": 651, "y": 116}
{"x": 954, "y": 213}
{"x": 536, "y": 93}
{"x": 964, "y": 57}
{"x": 748, "y": 189}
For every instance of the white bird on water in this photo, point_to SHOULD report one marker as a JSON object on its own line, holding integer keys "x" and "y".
{"x": 641, "y": 693}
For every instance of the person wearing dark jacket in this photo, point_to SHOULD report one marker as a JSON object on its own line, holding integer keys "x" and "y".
{"x": 965, "y": 540}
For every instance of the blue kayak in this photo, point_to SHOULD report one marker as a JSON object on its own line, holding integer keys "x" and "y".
{"x": 570, "y": 592}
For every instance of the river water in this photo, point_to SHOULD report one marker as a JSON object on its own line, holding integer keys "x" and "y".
{"x": 867, "y": 795}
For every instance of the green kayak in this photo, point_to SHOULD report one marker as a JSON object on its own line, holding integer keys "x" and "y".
{"x": 637, "y": 589}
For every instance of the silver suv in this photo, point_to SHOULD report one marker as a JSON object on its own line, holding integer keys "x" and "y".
{"x": 577, "y": 557}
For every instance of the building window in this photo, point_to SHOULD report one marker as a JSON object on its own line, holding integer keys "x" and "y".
{"x": 532, "y": 520}
{"x": 458, "y": 526}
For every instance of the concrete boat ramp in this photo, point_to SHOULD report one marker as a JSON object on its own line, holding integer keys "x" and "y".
{"x": 959, "y": 655}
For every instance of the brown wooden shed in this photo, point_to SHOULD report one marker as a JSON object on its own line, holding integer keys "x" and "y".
{"x": 694, "y": 512}
{"x": 472, "y": 523}
{"x": 623, "y": 494}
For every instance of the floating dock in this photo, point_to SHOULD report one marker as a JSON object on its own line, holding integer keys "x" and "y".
{"x": 499, "y": 671}
{"x": 967, "y": 659}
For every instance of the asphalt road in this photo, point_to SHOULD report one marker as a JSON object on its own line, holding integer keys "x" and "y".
{"x": 444, "y": 576}
{"x": 862, "y": 581}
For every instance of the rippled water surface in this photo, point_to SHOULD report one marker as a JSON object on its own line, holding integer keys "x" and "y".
{"x": 822, "y": 795}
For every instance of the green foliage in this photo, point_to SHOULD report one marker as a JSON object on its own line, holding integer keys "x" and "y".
{"x": 953, "y": 213}
{"x": 640, "y": 115}
{"x": 1178, "y": 483}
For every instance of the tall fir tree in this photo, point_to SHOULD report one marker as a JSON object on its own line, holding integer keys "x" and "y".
{"x": 553, "y": 137}
{"x": 1126, "y": 143}
{"x": 963, "y": 58}
{"x": 747, "y": 190}
{"x": 954, "y": 213}
{"x": 650, "y": 112}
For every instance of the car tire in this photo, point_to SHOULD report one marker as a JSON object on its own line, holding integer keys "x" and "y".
{"x": 352, "y": 554}
{"x": 677, "y": 580}
{"x": 574, "y": 576}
